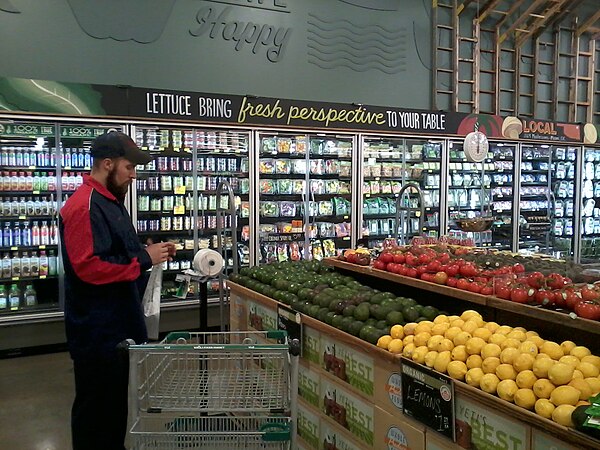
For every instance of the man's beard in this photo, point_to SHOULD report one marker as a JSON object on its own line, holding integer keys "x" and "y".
{"x": 111, "y": 184}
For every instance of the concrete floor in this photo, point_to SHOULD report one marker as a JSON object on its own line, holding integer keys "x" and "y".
{"x": 36, "y": 393}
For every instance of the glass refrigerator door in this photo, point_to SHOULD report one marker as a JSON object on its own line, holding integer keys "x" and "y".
{"x": 469, "y": 197}
{"x": 28, "y": 223}
{"x": 562, "y": 177}
{"x": 388, "y": 165}
{"x": 590, "y": 207}
{"x": 536, "y": 199}
{"x": 501, "y": 183}
{"x": 330, "y": 188}
{"x": 282, "y": 193}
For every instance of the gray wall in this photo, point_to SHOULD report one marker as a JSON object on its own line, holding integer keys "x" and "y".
{"x": 362, "y": 51}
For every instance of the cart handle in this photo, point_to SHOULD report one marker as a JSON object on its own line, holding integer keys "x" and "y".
{"x": 275, "y": 432}
{"x": 176, "y": 335}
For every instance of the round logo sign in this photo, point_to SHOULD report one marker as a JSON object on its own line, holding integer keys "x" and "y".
{"x": 446, "y": 392}
{"x": 394, "y": 389}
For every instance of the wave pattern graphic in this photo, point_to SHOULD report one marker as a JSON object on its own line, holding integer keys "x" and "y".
{"x": 334, "y": 43}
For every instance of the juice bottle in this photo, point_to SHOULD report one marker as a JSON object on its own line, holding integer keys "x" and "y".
{"x": 16, "y": 265}
{"x": 30, "y": 296}
{"x": 34, "y": 265}
{"x": 6, "y": 266}
{"x": 52, "y": 264}
{"x": 14, "y": 297}
{"x": 44, "y": 233}
{"x": 25, "y": 265}
{"x": 35, "y": 234}
{"x": 43, "y": 264}
{"x": 3, "y": 298}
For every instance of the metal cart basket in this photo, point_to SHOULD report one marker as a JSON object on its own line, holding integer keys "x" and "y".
{"x": 214, "y": 390}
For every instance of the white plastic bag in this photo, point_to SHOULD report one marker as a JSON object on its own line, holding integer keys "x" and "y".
{"x": 151, "y": 301}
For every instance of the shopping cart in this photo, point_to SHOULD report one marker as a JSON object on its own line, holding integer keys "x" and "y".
{"x": 222, "y": 390}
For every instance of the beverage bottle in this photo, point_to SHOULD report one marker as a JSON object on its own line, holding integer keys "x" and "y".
{"x": 26, "y": 157}
{"x": 44, "y": 233}
{"x": 18, "y": 157}
{"x": 22, "y": 206}
{"x": 30, "y": 206}
{"x": 37, "y": 207}
{"x": 30, "y": 296}
{"x": 21, "y": 182}
{"x": 78, "y": 180}
{"x": 29, "y": 182}
{"x": 7, "y": 236}
{"x": 14, "y": 297}
{"x": 26, "y": 235}
{"x": 34, "y": 265}
{"x": 53, "y": 233}
{"x": 50, "y": 183}
{"x": 51, "y": 160}
{"x": 3, "y": 298}
{"x": 40, "y": 158}
{"x": 25, "y": 265}
{"x": 44, "y": 206}
{"x": 43, "y": 264}
{"x": 6, "y": 266}
{"x": 35, "y": 234}
{"x": 14, "y": 207}
{"x": 2, "y": 177}
{"x": 52, "y": 264}
{"x": 33, "y": 157}
{"x": 71, "y": 181}
{"x": 12, "y": 157}
{"x": 4, "y": 156}
{"x": 64, "y": 181}
{"x": 16, "y": 235}
{"x": 66, "y": 158}
{"x": 80, "y": 158}
{"x": 16, "y": 265}
{"x": 87, "y": 159}
{"x": 75, "y": 157}
{"x": 14, "y": 181}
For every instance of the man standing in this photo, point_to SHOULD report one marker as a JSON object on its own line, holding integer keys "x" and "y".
{"x": 105, "y": 267}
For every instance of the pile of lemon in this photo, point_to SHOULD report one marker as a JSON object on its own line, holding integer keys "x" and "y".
{"x": 519, "y": 366}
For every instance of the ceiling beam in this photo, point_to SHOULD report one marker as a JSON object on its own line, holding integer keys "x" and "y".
{"x": 588, "y": 23}
{"x": 569, "y": 7}
{"x": 463, "y": 6}
{"x": 536, "y": 27}
{"x": 519, "y": 20}
{"x": 486, "y": 10}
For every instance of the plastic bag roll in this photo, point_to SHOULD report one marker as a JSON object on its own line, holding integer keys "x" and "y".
{"x": 208, "y": 262}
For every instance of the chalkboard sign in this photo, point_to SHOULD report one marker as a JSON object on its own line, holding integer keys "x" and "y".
{"x": 290, "y": 321}
{"x": 428, "y": 397}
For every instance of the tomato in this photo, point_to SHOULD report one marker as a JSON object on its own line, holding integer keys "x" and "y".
{"x": 476, "y": 286}
{"x": 434, "y": 266}
{"x": 544, "y": 297}
{"x": 572, "y": 298}
{"x": 421, "y": 269}
{"x": 427, "y": 277}
{"x": 440, "y": 278}
{"x": 555, "y": 281}
{"x": 444, "y": 258}
{"x": 463, "y": 284}
{"x": 487, "y": 290}
{"x": 380, "y": 265}
{"x": 401, "y": 269}
{"x": 451, "y": 282}
{"x": 518, "y": 268}
{"x": 411, "y": 260}
{"x": 452, "y": 270}
{"x": 589, "y": 293}
{"x": 424, "y": 258}
{"x": 351, "y": 257}
{"x": 521, "y": 294}
{"x": 536, "y": 279}
{"x": 468, "y": 270}
{"x": 503, "y": 291}
{"x": 399, "y": 258}
{"x": 411, "y": 272}
{"x": 588, "y": 310}
{"x": 386, "y": 257}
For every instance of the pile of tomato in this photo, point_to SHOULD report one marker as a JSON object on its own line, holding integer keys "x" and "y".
{"x": 506, "y": 282}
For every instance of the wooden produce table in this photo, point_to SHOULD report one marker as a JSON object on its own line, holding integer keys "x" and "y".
{"x": 365, "y": 382}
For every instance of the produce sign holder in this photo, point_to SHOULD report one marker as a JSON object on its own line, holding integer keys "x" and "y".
{"x": 290, "y": 321}
{"x": 428, "y": 396}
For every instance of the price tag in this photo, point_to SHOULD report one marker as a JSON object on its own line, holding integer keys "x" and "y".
{"x": 42, "y": 247}
{"x": 31, "y": 167}
{"x": 346, "y": 217}
{"x": 144, "y": 148}
{"x": 346, "y": 238}
{"x": 22, "y": 217}
{"x": 180, "y": 190}
{"x": 36, "y": 192}
{"x": 42, "y": 277}
{"x": 15, "y": 278}
{"x": 179, "y": 210}
{"x": 14, "y": 248}
{"x": 67, "y": 167}
{"x": 371, "y": 161}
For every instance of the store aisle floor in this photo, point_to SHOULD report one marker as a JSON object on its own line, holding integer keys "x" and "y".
{"x": 36, "y": 393}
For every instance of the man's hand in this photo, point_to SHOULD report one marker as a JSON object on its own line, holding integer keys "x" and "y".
{"x": 172, "y": 249}
{"x": 160, "y": 252}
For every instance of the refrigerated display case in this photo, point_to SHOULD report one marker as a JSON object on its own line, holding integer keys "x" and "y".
{"x": 389, "y": 166}
{"x": 176, "y": 197}
{"x": 29, "y": 206}
{"x": 564, "y": 196}
{"x": 304, "y": 191}
{"x": 590, "y": 206}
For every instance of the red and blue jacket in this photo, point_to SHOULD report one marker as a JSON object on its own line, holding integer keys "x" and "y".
{"x": 105, "y": 268}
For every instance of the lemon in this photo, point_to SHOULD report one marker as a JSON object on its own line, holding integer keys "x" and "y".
{"x": 523, "y": 362}
{"x": 457, "y": 370}
{"x": 593, "y": 359}
{"x": 489, "y": 365}
{"x": 565, "y": 395}
{"x": 544, "y": 408}
{"x": 418, "y": 355}
{"x": 453, "y": 318}
{"x": 567, "y": 346}
{"x": 538, "y": 341}
{"x": 452, "y": 332}
{"x": 507, "y": 389}
{"x": 395, "y": 346}
{"x": 517, "y": 334}
{"x": 497, "y": 339}
{"x": 409, "y": 328}
{"x": 541, "y": 367}
{"x": 422, "y": 338}
{"x": 585, "y": 391}
{"x": 468, "y": 314}
{"x": 442, "y": 318}
{"x": 594, "y": 384}
{"x": 506, "y": 372}
{"x": 570, "y": 360}
{"x": 580, "y": 351}
{"x": 526, "y": 379}
{"x": 458, "y": 323}
{"x": 473, "y": 376}
{"x": 474, "y": 346}
{"x": 423, "y": 327}
{"x": 560, "y": 373}
{"x": 474, "y": 361}
{"x": 482, "y": 333}
{"x": 441, "y": 361}
{"x": 588, "y": 369}
{"x": 529, "y": 347}
{"x": 408, "y": 350}
{"x": 531, "y": 334}
{"x": 582, "y": 403}
{"x": 384, "y": 341}
{"x": 552, "y": 349}
{"x": 509, "y": 354}
{"x": 434, "y": 342}
{"x": 503, "y": 329}
{"x": 492, "y": 326}
{"x": 459, "y": 353}
{"x": 542, "y": 356}
{"x": 525, "y": 398}
{"x": 430, "y": 358}
{"x": 562, "y": 415}
{"x": 445, "y": 345}
{"x": 510, "y": 343}
{"x": 439, "y": 328}
{"x": 542, "y": 388}
{"x": 490, "y": 350}
{"x": 397, "y": 332}
{"x": 461, "y": 338}
{"x": 410, "y": 339}
{"x": 489, "y": 383}
{"x": 470, "y": 326}
{"x": 520, "y": 329}
{"x": 577, "y": 374}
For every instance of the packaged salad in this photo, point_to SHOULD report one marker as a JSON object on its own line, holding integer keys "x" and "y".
{"x": 300, "y": 148}
{"x": 268, "y": 146}
{"x": 326, "y": 208}
{"x": 298, "y": 187}
{"x": 317, "y": 186}
{"x": 287, "y": 209}
{"x": 386, "y": 187}
{"x": 267, "y": 187}
{"x": 295, "y": 251}
{"x": 317, "y": 250}
{"x": 332, "y": 166}
{"x": 329, "y": 248}
{"x": 284, "y": 145}
{"x": 266, "y": 166}
{"x": 282, "y": 252}
{"x": 283, "y": 166}
{"x": 342, "y": 206}
{"x": 269, "y": 209}
{"x": 317, "y": 167}
{"x": 375, "y": 187}
{"x": 245, "y": 209}
{"x": 332, "y": 186}
{"x": 284, "y": 186}
{"x": 344, "y": 187}
{"x": 299, "y": 166}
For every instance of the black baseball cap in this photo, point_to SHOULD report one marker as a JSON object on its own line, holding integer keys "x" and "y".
{"x": 115, "y": 144}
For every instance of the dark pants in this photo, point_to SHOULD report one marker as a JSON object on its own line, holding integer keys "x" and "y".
{"x": 99, "y": 414}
